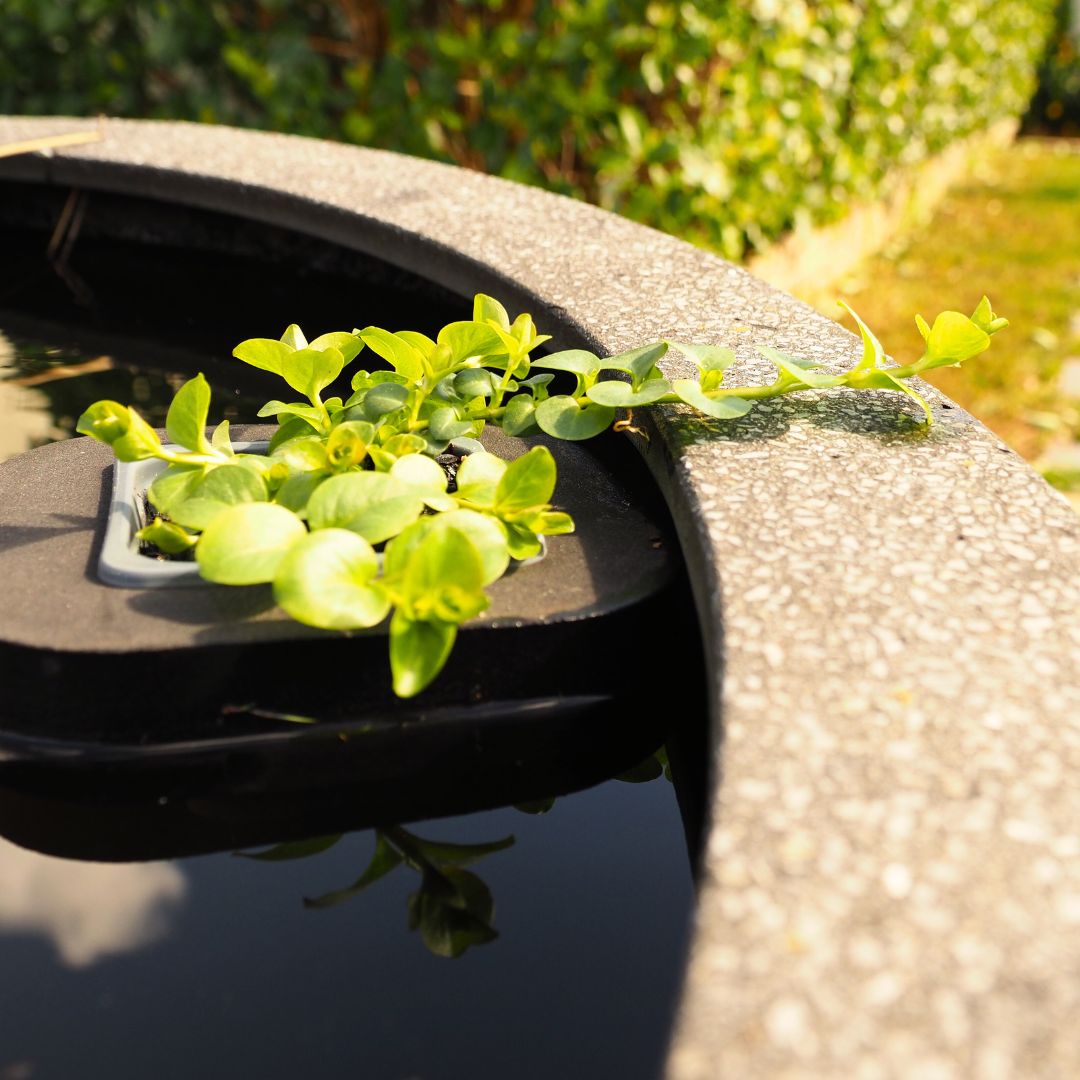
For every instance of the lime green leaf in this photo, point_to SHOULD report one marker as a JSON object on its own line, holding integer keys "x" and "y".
{"x": 403, "y": 444}
{"x": 303, "y": 455}
{"x": 883, "y": 380}
{"x": 620, "y": 395}
{"x": 220, "y": 439}
{"x": 216, "y": 491}
{"x": 520, "y": 416}
{"x": 375, "y": 505}
{"x": 578, "y": 361}
{"x": 122, "y": 428}
{"x": 478, "y": 478}
{"x": 420, "y": 342}
{"x": 418, "y": 652}
{"x": 564, "y": 418}
{"x": 985, "y": 319}
{"x": 427, "y": 479}
{"x": 924, "y": 327}
{"x": 468, "y": 340}
{"x": 312, "y": 416}
{"x": 402, "y": 357}
{"x": 294, "y": 337}
{"x": 706, "y": 357}
{"x": 722, "y": 408}
{"x": 244, "y": 544}
{"x": 474, "y": 382}
{"x": 527, "y": 482}
{"x": 294, "y": 428}
{"x": 444, "y": 557}
{"x": 486, "y": 307}
{"x": 167, "y": 537}
{"x": 185, "y": 423}
{"x": 295, "y": 493}
{"x": 174, "y": 485}
{"x": 799, "y": 370}
{"x": 444, "y": 424}
{"x": 384, "y": 398}
{"x": 873, "y": 353}
{"x": 953, "y": 339}
{"x": 552, "y": 523}
{"x": 637, "y": 363}
{"x": 349, "y": 345}
{"x": 485, "y": 534}
{"x": 326, "y": 578}
{"x": 310, "y": 371}
{"x": 523, "y": 543}
{"x": 263, "y": 353}
{"x": 347, "y": 445}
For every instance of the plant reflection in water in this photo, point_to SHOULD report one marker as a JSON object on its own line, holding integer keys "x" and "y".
{"x": 453, "y": 909}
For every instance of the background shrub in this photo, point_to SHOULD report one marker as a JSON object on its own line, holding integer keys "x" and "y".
{"x": 725, "y": 123}
{"x": 1055, "y": 109}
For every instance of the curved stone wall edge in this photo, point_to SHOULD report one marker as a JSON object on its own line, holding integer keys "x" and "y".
{"x": 891, "y": 880}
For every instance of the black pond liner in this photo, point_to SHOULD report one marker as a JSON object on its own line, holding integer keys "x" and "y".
{"x": 149, "y": 724}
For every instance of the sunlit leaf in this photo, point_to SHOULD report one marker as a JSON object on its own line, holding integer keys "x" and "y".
{"x": 326, "y": 580}
{"x": 620, "y": 395}
{"x": 185, "y": 423}
{"x": 564, "y": 418}
{"x": 372, "y": 504}
{"x": 722, "y": 408}
{"x": 244, "y": 544}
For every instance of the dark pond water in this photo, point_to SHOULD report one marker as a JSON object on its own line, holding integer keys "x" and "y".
{"x": 214, "y": 967}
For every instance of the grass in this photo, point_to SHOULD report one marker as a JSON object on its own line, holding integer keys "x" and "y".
{"x": 1012, "y": 231}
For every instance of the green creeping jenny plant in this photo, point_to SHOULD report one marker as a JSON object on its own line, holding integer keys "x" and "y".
{"x": 341, "y": 476}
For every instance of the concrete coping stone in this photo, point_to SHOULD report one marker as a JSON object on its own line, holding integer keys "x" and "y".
{"x": 891, "y": 877}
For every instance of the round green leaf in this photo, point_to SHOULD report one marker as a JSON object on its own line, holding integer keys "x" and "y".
{"x": 520, "y": 416}
{"x": 485, "y": 534}
{"x": 620, "y": 395}
{"x": 348, "y": 442}
{"x": 309, "y": 371}
{"x": 375, "y": 505}
{"x": 723, "y": 408}
{"x": 578, "y": 361}
{"x": 426, "y": 477}
{"x": 470, "y": 339}
{"x": 325, "y": 580}
{"x": 564, "y": 418}
{"x": 476, "y": 382}
{"x": 445, "y": 425}
{"x": 706, "y": 357}
{"x": 528, "y": 481}
{"x": 220, "y": 488}
{"x": 349, "y": 345}
{"x": 418, "y": 652}
{"x": 244, "y": 544}
{"x": 263, "y": 353}
{"x": 384, "y": 398}
{"x": 185, "y": 423}
{"x": 637, "y": 363}
{"x": 478, "y": 477}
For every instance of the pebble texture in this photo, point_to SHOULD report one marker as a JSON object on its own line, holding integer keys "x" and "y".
{"x": 891, "y": 885}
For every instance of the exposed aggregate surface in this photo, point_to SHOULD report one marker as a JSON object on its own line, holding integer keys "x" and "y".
{"x": 891, "y": 885}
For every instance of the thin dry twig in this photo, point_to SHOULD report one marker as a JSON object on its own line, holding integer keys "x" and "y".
{"x": 53, "y": 142}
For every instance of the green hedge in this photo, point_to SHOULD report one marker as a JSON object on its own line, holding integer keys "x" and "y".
{"x": 1055, "y": 109}
{"x": 725, "y": 122}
